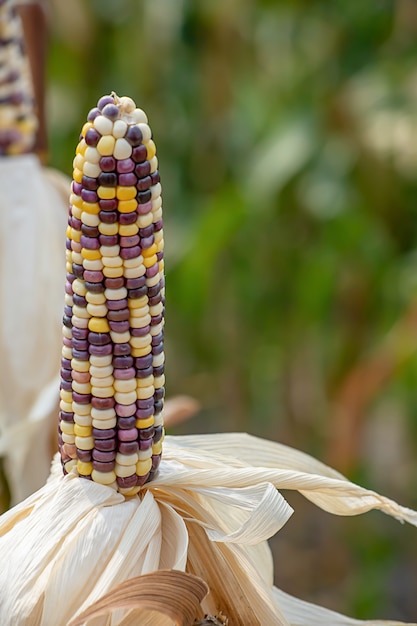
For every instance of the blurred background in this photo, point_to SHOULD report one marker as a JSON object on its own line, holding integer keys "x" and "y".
{"x": 287, "y": 141}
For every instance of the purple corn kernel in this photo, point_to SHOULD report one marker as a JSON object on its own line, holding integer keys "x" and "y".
{"x": 145, "y": 372}
{"x": 78, "y": 270}
{"x": 99, "y": 339}
{"x": 146, "y": 242}
{"x": 104, "y": 456}
{"x": 104, "y": 467}
{"x": 156, "y": 319}
{"x": 156, "y": 460}
{"x": 109, "y": 204}
{"x": 144, "y": 413}
{"x": 105, "y": 445}
{"x": 152, "y": 271}
{"x": 107, "y": 164}
{"x": 141, "y": 480}
{"x": 143, "y": 169}
{"x": 144, "y": 183}
{"x": 128, "y": 447}
{"x": 135, "y": 283}
{"x": 128, "y": 218}
{"x": 102, "y": 403}
{"x": 159, "y": 394}
{"x": 103, "y": 101}
{"x": 114, "y": 283}
{"x": 89, "y": 183}
{"x": 128, "y": 180}
{"x": 119, "y": 327}
{"x": 145, "y": 444}
{"x": 130, "y": 241}
{"x": 66, "y": 374}
{"x": 125, "y": 410}
{"x": 155, "y": 177}
{"x": 158, "y": 225}
{"x": 145, "y": 208}
{"x": 93, "y": 114}
{"x": 94, "y": 287}
{"x": 124, "y": 166}
{"x": 90, "y": 231}
{"x": 130, "y": 253}
{"x": 66, "y": 416}
{"x": 92, "y": 137}
{"x": 109, "y": 240}
{"x": 139, "y": 153}
{"x": 139, "y": 292}
{"x": 158, "y": 349}
{"x": 140, "y": 332}
{"x": 158, "y": 433}
{"x": 119, "y": 362}
{"x": 89, "y": 196}
{"x": 80, "y": 333}
{"x": 145, "y": 403}
{"x": 122, "y": 349}
{"x": 108, "y": 217}
{"x": 91, "y": 243}
{"x": 66, "y": 384}
{"x": 84, "y": 455}
{"x": 130, "y": 434}
{"x": 107, "y": 179}
{"x": 159, "y": 405}
{"x": 66, "y": 363}
{"x": 81, "y": 355}
{"x": 144, "y": 196}
{"x": 124, "y": 373}
{"x": 146, "y": 232}
{"x": 134, "y": 135}
{"x": 81, "y": 398}
{"x": 76, "y": 188}
{"x": 126, "y": 482}
{"x": 158, "y": 371}
{"x": 93, "y": 276}
{"x": 146, "y": 433}
{"x": 118, "y": 316}
{"x": 104, "y": 433}
{"x": 143, "y": 361}
{"x": 126, "y": 422}
{"x": 111, "y": 111}
{"x": 80, "y": 344}
{"x": 116, "y": 305}
{"x": 100, "y": 350}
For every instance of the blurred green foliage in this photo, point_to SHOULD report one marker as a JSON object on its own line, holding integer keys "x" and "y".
{"x": 287, "y": 139}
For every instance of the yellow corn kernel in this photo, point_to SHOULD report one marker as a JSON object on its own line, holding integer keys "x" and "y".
{"x": 150, "y": 149}
{"x": 106, "y": 193}
{"x": 67, "y": 427}
{"x": 83, "y": 431}
{"x": 86, "y": 253}
{"x": 84, "y": 468}
{"x": 127, "y": 206}
{"x": 148, "y": 252}
{"x": 85, "y": 128}
{"x": 136, "y": 352}
{"x": 126, "y": 193}
{"x": 149, "y": 261}
{"x": 77, "y": 175}
{"x": 104, "y": 478}
{"x": 157, "y": 447}
{"x": 127, "y": 230}
{"x": 98, "y": 325}
{"x": 90, "y": 207}
{"x": 137, "y": 303}
{"x": 145, "y": 422}
{"x": 143, "y": 467}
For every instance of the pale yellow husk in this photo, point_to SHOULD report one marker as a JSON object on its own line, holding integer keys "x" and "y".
{"x": 33, "y": 216}
{"x": 209, "y": 511}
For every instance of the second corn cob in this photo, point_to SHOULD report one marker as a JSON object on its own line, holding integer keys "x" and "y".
{"x": 112, "y": 376}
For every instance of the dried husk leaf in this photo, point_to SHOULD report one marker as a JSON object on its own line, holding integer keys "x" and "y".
{"x": 169, "y": 593}
{"x": 33, "y": 217}
{"x": 209, "y": 510}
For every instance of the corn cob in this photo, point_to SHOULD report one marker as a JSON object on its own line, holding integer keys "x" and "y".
{"x": 112, "y": 376}
{"x": 18, "y": 120}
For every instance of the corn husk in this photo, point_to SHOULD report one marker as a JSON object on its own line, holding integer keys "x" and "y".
{"x": 209, "y": 511}
{"x": 33, "y": 215}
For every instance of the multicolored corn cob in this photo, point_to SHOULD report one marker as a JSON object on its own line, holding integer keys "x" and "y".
{"x": 18, "y": 120}
{"x": 112, "y": 376}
